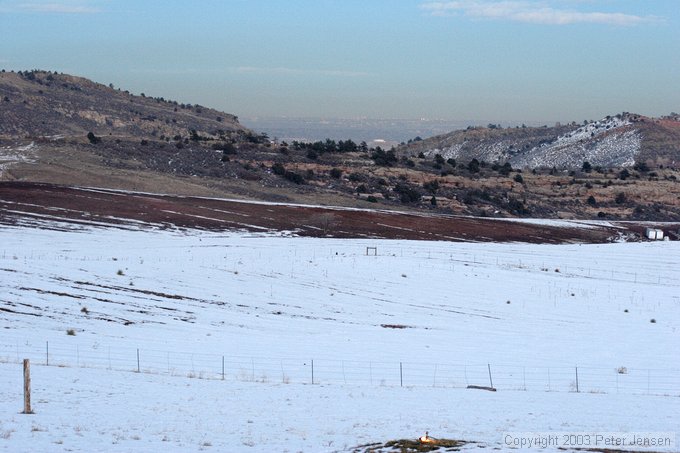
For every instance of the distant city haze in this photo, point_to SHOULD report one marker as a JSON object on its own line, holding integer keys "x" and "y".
{"x": 375, "y": 132}
{"x": 383, "y": 132}
{"x": 508, "y": 62}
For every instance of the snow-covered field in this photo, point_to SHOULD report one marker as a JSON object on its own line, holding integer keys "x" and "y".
{"x": 223, "y": 329}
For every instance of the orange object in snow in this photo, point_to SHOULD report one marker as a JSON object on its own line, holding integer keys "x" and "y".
{"x": 426, "y": 439}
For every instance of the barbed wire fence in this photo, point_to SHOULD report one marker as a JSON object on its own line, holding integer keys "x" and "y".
{"x": 657, "y": 275}
{"x": 329, "y": 371}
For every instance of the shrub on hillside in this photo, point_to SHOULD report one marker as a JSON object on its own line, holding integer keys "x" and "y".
{"x": 93, "y": 138}
{"x": 383, "y": 158}
{"x": 294, "y": 177}
{"x": 407, "y": 193}
{"x": 278, "y": 169}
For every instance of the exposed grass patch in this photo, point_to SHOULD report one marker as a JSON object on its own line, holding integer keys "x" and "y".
{"x": 412, "y": 446}
{"x": 395, "y": 326}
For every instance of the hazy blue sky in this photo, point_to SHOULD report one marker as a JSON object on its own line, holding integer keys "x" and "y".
{"x": 524, "y": 60}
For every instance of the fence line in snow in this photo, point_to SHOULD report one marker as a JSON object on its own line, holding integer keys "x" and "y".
{"x": 350, "y": 372}
{"x": 656, "y": 276}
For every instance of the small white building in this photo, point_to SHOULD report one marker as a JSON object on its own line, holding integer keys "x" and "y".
{"x": 654, "y": 234}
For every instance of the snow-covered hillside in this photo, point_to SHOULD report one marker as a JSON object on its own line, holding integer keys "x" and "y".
{"x": 609, "y": 142}
{"x": 394, "y": 338}
{"x": 614, "y": 141}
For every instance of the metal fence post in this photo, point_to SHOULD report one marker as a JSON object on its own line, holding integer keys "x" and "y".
{"x": 617, "y": 381}
{"x": 648, "y": 379}
{"x": 344, "y": 378}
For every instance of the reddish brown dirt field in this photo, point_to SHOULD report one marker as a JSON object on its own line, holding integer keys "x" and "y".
{"x": 22, "y": 202}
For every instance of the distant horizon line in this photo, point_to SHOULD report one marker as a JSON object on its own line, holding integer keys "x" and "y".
{"x": 387, "y": 118}
{"x": 469, "y": 122}
{"x": 252, "y": 117}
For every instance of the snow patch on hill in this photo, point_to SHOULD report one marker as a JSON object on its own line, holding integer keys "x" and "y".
{"x": 11, "y": 155}
{"x": 449, "y": 152}
{"x": 592, "y": 130}
{"x": 610, "y": 142}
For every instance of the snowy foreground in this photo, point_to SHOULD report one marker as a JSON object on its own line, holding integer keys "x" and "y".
{"x": 187, "y": 341}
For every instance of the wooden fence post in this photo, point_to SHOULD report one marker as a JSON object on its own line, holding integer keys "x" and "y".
{"x": 577, "y": 391}
{"x": 488, "y": 365}
{"x": 27, "y": 387}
